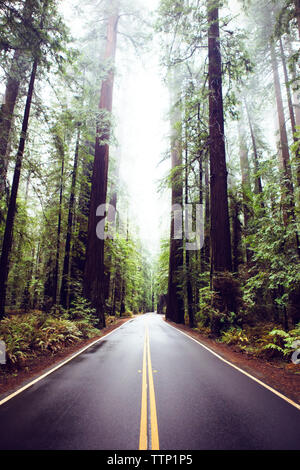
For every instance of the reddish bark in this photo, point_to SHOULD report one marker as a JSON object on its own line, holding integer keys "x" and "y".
{"x": 94, "y": 275}
{"x": 220, "y": 226}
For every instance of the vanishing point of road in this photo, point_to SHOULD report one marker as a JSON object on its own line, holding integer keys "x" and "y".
{"x": 148, "y": 386}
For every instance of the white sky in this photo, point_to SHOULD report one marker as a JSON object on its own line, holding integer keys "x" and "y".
{"x": 141, "y": 104}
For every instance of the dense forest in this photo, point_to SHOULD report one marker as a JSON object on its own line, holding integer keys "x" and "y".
{"x": 72, "y": 261}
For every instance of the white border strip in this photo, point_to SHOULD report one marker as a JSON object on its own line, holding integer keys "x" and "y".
{"x": 288, "y": 400}
{"x": 41, "y": 377}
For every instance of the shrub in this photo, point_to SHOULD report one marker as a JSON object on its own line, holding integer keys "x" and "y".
{"x": 128, "y": 313}
{"x": 87, "y": 329}
{"x": 28, "y": 336}
{"x": 81, "y": 310}
{"x": 235, "y": 336}
{"x": 205, "y": 306}
{"x": 281, "y": 343}
{"x": 218, "y": 308}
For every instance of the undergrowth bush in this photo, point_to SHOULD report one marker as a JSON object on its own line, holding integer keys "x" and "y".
{"x": 28, "y": 336}
{"x": 235, "y": 336}
{"x": 264, "y": 340}
{"x": 219, "y": 308}
{"x": 128, "y": 313}
{"x": 203, "y": 316}
{"x": 81, "y": 310}
{"x": 282, "y": 343}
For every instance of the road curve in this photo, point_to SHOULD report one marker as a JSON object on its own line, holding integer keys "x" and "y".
{"x": 148, "y": 386}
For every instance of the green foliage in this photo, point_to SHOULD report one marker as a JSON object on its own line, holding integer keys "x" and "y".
{"x": 235, "y": 336}
{"x": 29, "y": 336}
{"x": 282, "y": 343}
{"x": 162, "y": 268}
{"x": 263, "y": 340}
{"x": 130, "y": 275}
{"x": 206, "y": 296}
{"x": 81, "y": 310}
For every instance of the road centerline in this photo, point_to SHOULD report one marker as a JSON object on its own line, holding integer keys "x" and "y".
{"x": 148, "y": 385}
{"x": 153, "y": 412}
{"x": 143, "y": 445}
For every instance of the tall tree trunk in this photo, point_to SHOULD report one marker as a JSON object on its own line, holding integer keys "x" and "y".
{"x": 200, "y": 254}
{"x": 201, "y": 193}
{"x": 237, "y": 255}
{"x": 258, "y": 184}
{"x": 58, "y": 239}
{"x": 94, "y": 274}
{"x": 175, "y": 304}
{"x": 291, "y": 110}
{"x": 220, "y": 226}
{"x": 14, "y": 77}
{"x": 206, "y": 253}
{"x": 111, "y": 219}
{"x": 246, "y": 186}
{"x": 78, "y": 250}
{"x": 6, "y": 117}
{"x": 288, "y": 202}
{"x": 288, "y": 193}
{"x": 288, "y": 90}
{"x": 295, "y": 84}
{"x": 8, "y": 234}
{"x": 65, "y": 286}
{"x": 189, "y": 289}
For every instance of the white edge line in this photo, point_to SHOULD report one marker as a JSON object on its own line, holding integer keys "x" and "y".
{"x": 288, "y": 400}
{"x": 41, "y": 377}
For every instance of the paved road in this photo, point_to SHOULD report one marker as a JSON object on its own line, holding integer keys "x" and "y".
{"x": 147, "y": 384}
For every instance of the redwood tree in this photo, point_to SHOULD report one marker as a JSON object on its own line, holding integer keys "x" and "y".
{"x": 220, "y": 226}
{"x": 287, "y": 183}
{"x": 94, "y": 274}
{"x": 175, "y": 304}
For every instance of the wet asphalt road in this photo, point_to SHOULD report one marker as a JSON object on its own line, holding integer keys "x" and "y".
{"x": 94, "y": 401}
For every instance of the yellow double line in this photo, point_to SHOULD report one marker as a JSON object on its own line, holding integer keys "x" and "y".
{"x": 144, "y": 410}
